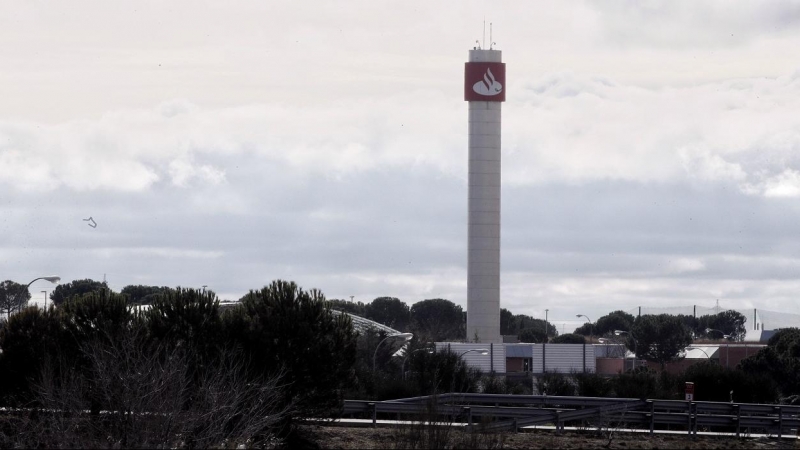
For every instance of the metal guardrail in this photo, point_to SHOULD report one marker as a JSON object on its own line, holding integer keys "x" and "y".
{"x": 501, "y": 412}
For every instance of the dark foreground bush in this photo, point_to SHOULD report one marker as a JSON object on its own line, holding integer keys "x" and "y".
{"x": 592, "y": 384}
{"x": 150, "y": 400}
{"x": 436, "y": 430}
{"x": 554, "y": 383}
{"x": 713, "y": 382}
{"x": 639, "y": 383}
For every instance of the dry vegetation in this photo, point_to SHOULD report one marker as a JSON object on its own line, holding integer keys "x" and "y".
{"x": 339, "y": 437}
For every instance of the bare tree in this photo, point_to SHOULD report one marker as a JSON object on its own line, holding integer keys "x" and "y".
{"x": 134, "y": 394}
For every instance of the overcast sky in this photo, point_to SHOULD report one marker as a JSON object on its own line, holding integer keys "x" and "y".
{"x": 651, "y": 150}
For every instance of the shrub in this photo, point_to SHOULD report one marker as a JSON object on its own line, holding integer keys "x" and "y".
{"x": 554, "y": 383}
{"x": 441, "y": 372}
{"x": 714, "y": 383}
{"x": 493, "y": 385}
{"x": 149, "y": 401}
{"x": 592, "y": 384}
{"x": 639, "y": 383}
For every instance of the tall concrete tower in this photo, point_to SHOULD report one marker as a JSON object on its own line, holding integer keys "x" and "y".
{"x": 485, "y": 90}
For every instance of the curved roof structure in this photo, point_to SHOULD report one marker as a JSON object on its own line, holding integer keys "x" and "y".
{"x": 361, "y": 324}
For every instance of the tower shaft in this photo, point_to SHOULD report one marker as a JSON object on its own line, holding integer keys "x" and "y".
{"x": 485, "y": 91}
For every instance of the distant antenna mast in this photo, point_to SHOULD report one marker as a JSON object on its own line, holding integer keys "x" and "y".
{"x": 484, "y": 34}
{"x": 491, "y": 44}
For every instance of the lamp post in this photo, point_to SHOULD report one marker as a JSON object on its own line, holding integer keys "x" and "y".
{"x": 482, "y": 351}
{"x": 52, "y": 279}
{"x": 403, "y": 367}
{"x": 635, "y": 344}
{"x": 396, "y": 336}
{"x": 591, "y": 338}
{"x": 45, "y": 299}
{"x": 591, "y": 326}
{"x": 546, "y": 326}
{"x": 727, "y": 344}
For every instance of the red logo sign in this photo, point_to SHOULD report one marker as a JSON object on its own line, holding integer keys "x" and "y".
{"x": 484, "y": 82}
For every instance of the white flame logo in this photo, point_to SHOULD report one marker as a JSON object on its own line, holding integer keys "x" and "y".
{"x": 489, "y": 85}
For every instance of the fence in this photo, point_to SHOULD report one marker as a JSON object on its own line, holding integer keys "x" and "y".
{"x": 497, "y": 412}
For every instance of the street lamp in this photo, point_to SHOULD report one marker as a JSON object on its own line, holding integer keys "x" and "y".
{"x": 45, "y": 299}
{"x": 52, "y": 279}
{"x": 394, "y": 337}
{"x": 546, "y": 326}
{"x": 725, "y": 336}
{"x": 635, "y": 344}
{"x": 591, "y": 326}
{"x": 403, "y": 367}
{"x": 591, "y": 338}
{"x": 727, "y": 344}
{"x": 482, "y": 351}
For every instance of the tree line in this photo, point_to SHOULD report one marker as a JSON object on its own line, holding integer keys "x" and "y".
{"x": 160, "y": 366}
{"x": 281, "y": 355}
{"x": 437, "y": 320}
{"x": 179, "y": 372}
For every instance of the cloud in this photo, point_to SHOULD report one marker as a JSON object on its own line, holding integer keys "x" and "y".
{"x": 183, "y": 172}
{"x": 578, "y": 129}
{"x": 687, "y": 24}
{"x": 649, "y": 157}
{"x": 785, "y": 184}
{"x": 166, "y": 252}
{"x": 563, "y": 127}
{"x": 682, "y": 265}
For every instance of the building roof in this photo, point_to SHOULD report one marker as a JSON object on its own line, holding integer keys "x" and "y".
{"x": 702, "y": 352}
{"x": 361, "y": 324}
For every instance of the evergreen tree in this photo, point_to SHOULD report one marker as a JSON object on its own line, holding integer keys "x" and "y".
{"x": 389, "y": 311}
{"x": 659, "y": 338}
{"x": 287, "y": 329}
{"x": 438, "y": 320}
{"x": 13, "y": 297}
{"x": 76, "y": 288}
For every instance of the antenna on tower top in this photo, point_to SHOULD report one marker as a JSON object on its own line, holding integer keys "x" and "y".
{"x": 491, "y": 44}
{"x": 484, "y": 33}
